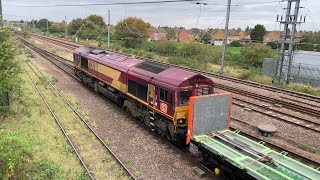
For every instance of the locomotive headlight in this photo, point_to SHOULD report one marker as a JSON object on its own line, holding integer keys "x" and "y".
{"x": 182, "y": 121}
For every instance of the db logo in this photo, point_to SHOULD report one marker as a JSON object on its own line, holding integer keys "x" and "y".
{"x": 163, "y": 107}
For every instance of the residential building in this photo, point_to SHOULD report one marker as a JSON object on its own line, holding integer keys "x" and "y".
{"x": 217, "y": 37}
{"x": 275, "y": 36}
{"x": 157, "y": 34}
{"x": 183, "y": 36}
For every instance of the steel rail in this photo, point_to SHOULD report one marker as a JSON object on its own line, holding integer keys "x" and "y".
{"x": 60, "y": 126}
{"x": 289, "y": 105}
{"x": 49, "y": 56}
{"x": 87, "y": 125}
{"x": 315, "y": 125}
{"x": 301, "y": 102}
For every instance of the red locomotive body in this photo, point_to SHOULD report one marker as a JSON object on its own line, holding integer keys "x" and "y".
{"x": 158, "y": 95}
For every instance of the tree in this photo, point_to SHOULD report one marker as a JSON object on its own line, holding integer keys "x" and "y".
{"x": 171, "y": 33}
{"x": 258, "y": 32}
{"x": 132, "y": 31}
{"x": 42, "y": 24}
{"x": 57, "y": 28}
{"x": 90, "y": 31}
{"x": 311, "y": 37}
{"x": 205, "y": 37}
{"x": 75, "y": 25}
{"x": 248, "y": 29}
{"x": 97, "y": 20}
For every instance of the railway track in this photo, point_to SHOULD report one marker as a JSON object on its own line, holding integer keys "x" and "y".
{"x": 49, "y": 56}
{"x": 286, "y": 104}
{"x": 107, "y": 153}
{"x": 72, "y": 46}
{"x": 297, "y": 121}
{"x": 291, "y": 153}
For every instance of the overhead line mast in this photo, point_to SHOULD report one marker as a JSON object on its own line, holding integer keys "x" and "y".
{"x": 225, "y": 42}
{"x": 286, "y": 57}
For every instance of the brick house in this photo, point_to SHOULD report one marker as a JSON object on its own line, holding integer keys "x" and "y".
{"x": 156, "y": 34}
{"x": 217, "y": 37}
{"x": 183, "y": 36}
{"x": 275, "y": 36}
{"x": 272, "y": 36}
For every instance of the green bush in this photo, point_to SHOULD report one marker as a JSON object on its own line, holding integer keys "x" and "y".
{"x": 166, "y": 48}
{"x": 235, "y": 44}
{"x": 188, "y": 62}
{"x": 252, "y": 56}
{"x": 9, "y": 66}
{"x": 273, "y": 45}
{"x": 148, "y": 55}
{"x": 149, "y": 46}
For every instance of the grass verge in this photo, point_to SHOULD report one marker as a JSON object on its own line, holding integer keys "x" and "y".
{"x": 100, "y": 163}
{"x": 31, "y": 145}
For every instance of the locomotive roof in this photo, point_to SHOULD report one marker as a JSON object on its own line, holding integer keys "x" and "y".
{"x": 141, "y": 68}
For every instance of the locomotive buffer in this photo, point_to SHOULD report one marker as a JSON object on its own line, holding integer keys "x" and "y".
{"x": 229, "y": 152}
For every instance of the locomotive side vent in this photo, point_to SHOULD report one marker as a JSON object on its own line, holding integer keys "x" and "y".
{"x": 152, "y": 67}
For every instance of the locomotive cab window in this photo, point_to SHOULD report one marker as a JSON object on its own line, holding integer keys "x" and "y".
{"x": 203, "y": 91}
{"x": 184, "y": 96}
{"x": 84, "y": 63}
{"x": 165, "y": 96}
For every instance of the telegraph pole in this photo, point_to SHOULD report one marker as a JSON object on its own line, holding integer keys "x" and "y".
{"x": 66, "y": 25}
{"x": 47, "y": 26}
{"x": 33, "y": 25}
{"x": 108, "y": 29}
{"x": 1, "y": 16}
{"x": 225, "y": 37}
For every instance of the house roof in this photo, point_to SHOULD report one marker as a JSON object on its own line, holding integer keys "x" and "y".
{"x": 276, "y": 33}
{"x": 273, "y": 34}
{"x": 231, "y": 32}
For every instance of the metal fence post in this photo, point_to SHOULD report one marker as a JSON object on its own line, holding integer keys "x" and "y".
{"x": 299, "y": 69}
{"x": 5, "y": 98}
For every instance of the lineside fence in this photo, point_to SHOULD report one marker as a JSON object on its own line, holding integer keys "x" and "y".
{"x": 301, "y": 73}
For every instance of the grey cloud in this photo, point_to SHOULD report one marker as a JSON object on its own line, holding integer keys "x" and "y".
{"x": 174, "y": 14}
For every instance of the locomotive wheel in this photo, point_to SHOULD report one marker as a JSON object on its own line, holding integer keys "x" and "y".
{"x": 95, "y": 86}
{"x": 179, "y": 141}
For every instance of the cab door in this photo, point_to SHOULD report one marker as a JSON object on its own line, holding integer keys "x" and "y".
{"x": 151, "y": 95}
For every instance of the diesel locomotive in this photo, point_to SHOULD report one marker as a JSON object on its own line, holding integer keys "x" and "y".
{"x": 156, "y": 94}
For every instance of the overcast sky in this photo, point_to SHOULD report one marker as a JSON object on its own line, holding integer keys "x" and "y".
{"x": 185, "y": 14}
